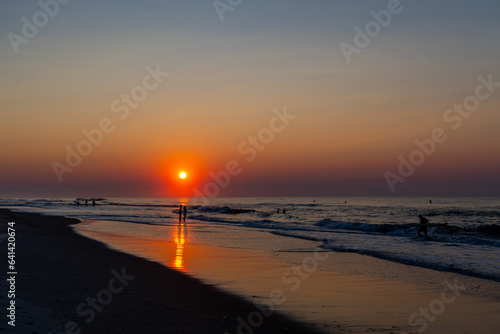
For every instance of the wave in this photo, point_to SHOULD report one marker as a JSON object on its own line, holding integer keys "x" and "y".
{"x": 442, "y": 256}
{"x": 417, "y": 261}
{"x": 366, "y": 227}
{"x": 468, "y": 234}
{"x": 464, "y": 213}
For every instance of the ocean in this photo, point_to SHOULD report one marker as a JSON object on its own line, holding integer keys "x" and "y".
{"x": 382, "y": 227}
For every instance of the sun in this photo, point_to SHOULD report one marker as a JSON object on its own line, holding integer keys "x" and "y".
{"x": 182, "y": 175}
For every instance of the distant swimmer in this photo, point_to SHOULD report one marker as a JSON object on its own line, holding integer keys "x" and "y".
{"x": 423, "y": 225}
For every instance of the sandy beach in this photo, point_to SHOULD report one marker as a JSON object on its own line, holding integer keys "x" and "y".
{"x": 67, "y": 283}
{"x": 336, "y": 292}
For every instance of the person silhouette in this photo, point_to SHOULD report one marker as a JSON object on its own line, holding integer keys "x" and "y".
{"x": 93, "y": 202}
{"x": 423, "y": 226}
{"x": 180, "y": 212}
{"x": 184, "y": 212}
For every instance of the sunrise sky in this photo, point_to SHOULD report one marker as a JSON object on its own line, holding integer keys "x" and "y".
{"x": 353, "y": 120}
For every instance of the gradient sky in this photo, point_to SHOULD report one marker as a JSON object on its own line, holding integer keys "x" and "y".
{"x": 353, "y": 120}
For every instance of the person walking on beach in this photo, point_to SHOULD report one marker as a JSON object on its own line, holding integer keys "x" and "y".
{"x": 423, "y": 226}
{"x": 184, "y": 212}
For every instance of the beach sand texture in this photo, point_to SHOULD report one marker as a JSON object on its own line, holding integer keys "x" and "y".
{"x": 58, "y": 270}
{"x": 215, "y": 286}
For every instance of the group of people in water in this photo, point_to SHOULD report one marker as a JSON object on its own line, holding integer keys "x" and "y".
{"x": 424, "y": 222}
{"x": 86, "y": 203}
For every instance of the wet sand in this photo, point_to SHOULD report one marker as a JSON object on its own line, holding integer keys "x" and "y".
{"x": 335, "y": 292}
{"x": 67, "y": 283}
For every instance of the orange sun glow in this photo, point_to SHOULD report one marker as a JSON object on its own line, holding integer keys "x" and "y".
{"x": 182, "y": 175}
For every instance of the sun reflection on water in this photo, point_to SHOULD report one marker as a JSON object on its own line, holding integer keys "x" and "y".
{"x": 180, "y": 237}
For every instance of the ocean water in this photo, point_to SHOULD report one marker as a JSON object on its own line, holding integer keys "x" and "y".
{"x": 382, "y": 227}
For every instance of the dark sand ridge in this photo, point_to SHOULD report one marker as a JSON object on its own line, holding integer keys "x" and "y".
{"x": 58, "y": 270}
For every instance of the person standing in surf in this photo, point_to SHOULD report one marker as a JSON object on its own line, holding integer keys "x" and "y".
{"x": 423, "y": 226}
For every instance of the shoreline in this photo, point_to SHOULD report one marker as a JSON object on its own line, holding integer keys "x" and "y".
{"x": 81, "y": 284}
{"x": 345, "y": 292}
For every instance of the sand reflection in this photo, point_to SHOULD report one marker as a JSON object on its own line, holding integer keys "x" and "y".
{"x": 180, "y": 237}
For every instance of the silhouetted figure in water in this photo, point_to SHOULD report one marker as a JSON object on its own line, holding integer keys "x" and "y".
{"x": 284, "y": 211}
{"x": 278, "y": 211}
{"x": 180, "y": 212}
{"x": 77, "y": 203}
{"x": 184, "y": 212}
{"x": 430, "y": 201}
{"x": 86, "y": 203}
{"x": 93, "y": 203}
{"x": 423, "y": 226}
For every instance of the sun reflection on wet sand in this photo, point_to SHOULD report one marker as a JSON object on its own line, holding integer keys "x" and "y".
{"x": 180, "y": 237}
